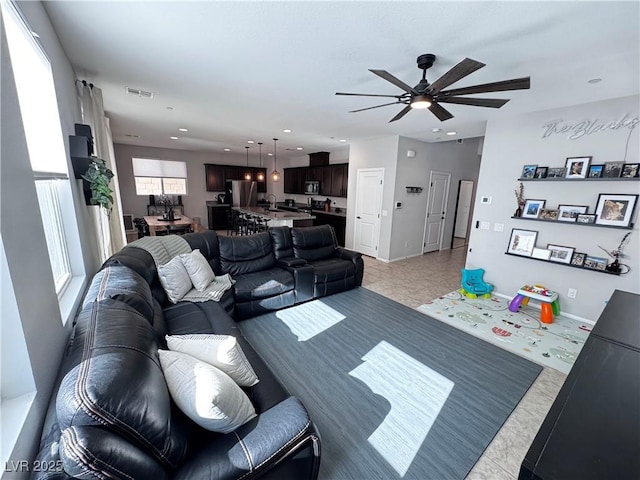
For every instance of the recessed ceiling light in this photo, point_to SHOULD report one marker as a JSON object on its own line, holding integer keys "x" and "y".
{"x": 287, "y": 130}
{"x": 436, "y": 130}
{"x": 131, "y": 135}
{"x": 250, "y": 141}
{"x": 298, "y": 148}
{"x": 594, "y": 80}
{"x": 227, "y": 149}
{"x": 342, "y": 140}
{"x": 173, "y": 138}
{"x": 451, "y": 133}
{"x": 269, "y": 154}
{"x": 183, "y": 129}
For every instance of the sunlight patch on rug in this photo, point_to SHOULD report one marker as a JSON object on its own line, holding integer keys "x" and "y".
{"x": 309, "y": 319}
{"x": 416, "y": 394}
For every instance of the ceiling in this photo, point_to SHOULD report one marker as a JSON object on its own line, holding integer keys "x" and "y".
{"x": 230, "y": 72}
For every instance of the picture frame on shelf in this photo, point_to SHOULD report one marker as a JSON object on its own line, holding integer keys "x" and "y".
{"x": 630, "y": 170}
{"x": 541, "y": 253}
{"x": 577, "y": 167}
{"x": 555, "y": 172}
{"x": 612, "y": 169}
{"x": 577, "y": 260}
{"x": 548, "y": 214}
{"x": 595, "y": 171}
{"x": 528, "y": 171}
{"x": 615, "y": 209}
{"x": 595, "y": 263}
{"x": 569, "y": 213}
{"x": 586, "y": 218}
{"x": 560, "y": 253}
{"x": 532, "y": 208}
{"x": 522, "y": 242}
{"x": 541, "y": 172}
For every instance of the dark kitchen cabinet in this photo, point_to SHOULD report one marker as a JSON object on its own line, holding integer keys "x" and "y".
{"x": 338, "y": 223}
{"x": 232, "y": 172}
{"x": 218, "y": 216}
{"x": 214, "y": 175}
{"x": 333, "y": 179}
{"x": 325, "y": 180}
{"x": 262, "y": 184}
{"x": 294, "y": 179}
{"x": 339, "y": 180}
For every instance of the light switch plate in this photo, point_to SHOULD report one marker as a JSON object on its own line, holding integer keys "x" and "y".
{"x": 498, "y": 227}
{"x": 485, "y": 199}
{"x": 485, "y": 225}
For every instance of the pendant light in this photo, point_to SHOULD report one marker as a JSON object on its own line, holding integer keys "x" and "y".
{"x": 247, "y": 175}
{"x": 260, "y": 175}
{"x": 275, "y": 175}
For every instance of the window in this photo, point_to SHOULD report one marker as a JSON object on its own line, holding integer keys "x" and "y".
{"x": 159, "y": 177}
{"x": 43, "y": 133}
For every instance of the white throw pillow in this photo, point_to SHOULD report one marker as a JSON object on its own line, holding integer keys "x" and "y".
{"x": 205, "y": 394}
{"x": 198, "y": 269}
{"x": 221, "y": 351}
{"x": 175, "y": 279}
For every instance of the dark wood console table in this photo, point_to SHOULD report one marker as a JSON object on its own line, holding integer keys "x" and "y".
{"x": 592, "y": 430}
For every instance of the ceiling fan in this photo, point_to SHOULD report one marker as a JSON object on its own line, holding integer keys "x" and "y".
{"x": 426, "y": 95}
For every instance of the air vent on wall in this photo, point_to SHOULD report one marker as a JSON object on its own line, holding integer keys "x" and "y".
{"x": 139, "y": 93}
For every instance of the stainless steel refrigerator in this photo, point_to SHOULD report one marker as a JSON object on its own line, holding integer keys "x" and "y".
{"x": 243, "y": 193}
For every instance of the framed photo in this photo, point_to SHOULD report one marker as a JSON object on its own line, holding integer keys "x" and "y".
{"x": 548, "y": 214}
{"x": 522, "y": 242}
{"x": 612, "y": 169}
{"x": 532, "y": 208}
{"x": 577, "y": 260}
{"x": 560, "y": 254}
{"x": 586, "y": 218}
{"x": 541, "y": 253}
{"x": 615, "y": 210}
{"x": 569, "y": 213}
{"x": 630, "y": 170}
{"x": 528, "y": 171}
{"x": 595, "y": 171}
{"x": 577, "y": 167}
{"x": 555, "y": 172}
{"x": 595, "y": 263}
{"x": 541, "y": 172}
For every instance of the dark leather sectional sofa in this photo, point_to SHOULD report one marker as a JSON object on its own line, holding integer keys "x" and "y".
{"x": 112, "y": 416}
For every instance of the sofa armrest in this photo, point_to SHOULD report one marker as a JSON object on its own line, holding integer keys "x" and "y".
{"x": 290, "y": 262}
{"x": 275, "y": 435}
{"x": 356, "y": 258}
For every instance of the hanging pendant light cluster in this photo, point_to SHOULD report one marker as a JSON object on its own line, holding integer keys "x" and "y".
{"x": 275, "y": 175}
{"x": 260, "y": 174}
{"x": 247, "y": 175}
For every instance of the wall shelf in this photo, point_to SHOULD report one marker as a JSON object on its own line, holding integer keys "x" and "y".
{"x": 562, "y": 179}
{"x": 630, "y": 227}
{"x": 414, "y": 189}
{"x": 563, "y": 264}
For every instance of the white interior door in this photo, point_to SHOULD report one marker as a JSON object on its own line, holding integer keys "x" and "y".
{"x": 464, "y": 209}
{"x": 436, "y": 211}
{"x": 368, "y": 205}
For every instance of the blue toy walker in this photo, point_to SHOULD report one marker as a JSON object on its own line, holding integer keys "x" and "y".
{"x": 473, "y": 285}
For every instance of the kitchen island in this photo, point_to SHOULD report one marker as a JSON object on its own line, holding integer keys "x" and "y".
{"x": 279, "y": 218}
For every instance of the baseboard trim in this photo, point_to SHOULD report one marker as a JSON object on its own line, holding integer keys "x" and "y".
{"x": 403, "y": 258}
{"x": 537, "y": 307}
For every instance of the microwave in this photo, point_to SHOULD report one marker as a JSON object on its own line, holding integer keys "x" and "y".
{"x": 312, "y": 187}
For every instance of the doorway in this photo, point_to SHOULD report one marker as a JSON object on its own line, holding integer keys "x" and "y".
{"x": 368, "y": 206}
{"x": 460, "y": 236}
{"x": 436, "y": 211}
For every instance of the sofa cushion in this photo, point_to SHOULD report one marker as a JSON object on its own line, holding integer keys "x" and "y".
{"x": 263, "y": 284}
{"x": 282, "y": 244}
{"x": 114, "y": 380}
{"x": 246, "y": 254}
{"x": 221, "y": 351}
{"x": 207, "y": 395}
{"x": 331, "y": 269}
{"x": 208, "y": 244}
{"x": 121, "y": 283}
{"x": 175, "y": 279}
{"x": 198, "y": 268}
{"x": 199, "y": 317}
{"x": 313, "y": 243}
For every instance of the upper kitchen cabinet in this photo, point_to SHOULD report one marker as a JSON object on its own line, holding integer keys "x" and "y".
{"x": 214, "y": 175}
{"x": 339, "y": 179}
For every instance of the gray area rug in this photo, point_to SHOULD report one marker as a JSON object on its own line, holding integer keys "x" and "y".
{"x": 394, "y": 393}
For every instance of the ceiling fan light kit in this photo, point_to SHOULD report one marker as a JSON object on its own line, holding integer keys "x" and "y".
{"x": 429, "y": 96}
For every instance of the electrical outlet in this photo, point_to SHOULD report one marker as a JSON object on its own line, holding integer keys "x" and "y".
{"x": 498, "y": 227}
{"x": 572, "y": 293}
{"x": 485, "y": 225}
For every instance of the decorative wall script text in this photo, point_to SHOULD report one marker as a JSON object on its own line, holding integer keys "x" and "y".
{"x": 587, "y": 127}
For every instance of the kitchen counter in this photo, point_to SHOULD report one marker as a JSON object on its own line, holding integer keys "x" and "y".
{"x": 216, "y": 204}
{"x": 304, "y": 206}
{"x": 279, "y": 217}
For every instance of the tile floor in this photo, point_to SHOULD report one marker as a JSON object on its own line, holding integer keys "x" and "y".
{"x": 417, "y": 280}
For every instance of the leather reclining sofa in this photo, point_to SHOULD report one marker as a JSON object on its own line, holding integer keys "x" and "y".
{"x": 111, "y": 415}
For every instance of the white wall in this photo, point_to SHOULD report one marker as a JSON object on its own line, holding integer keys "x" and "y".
{"x": 461, "y": 160}
{"x": 511, "y": 143}
{"x": 22, "y": 232}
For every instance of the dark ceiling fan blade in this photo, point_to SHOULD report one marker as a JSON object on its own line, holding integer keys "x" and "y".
{"x": 396, "y": 81}
{"x": 476, "y": 102}
{"x": 440, "y": 112}
{"x": 459, "y": 71}
{"x": 523, "y": 83}
{"x": 402, "y": 113}
{"x": 377, "y": 106}
{"x": 368, "y": 95}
